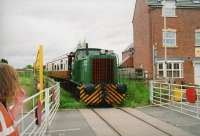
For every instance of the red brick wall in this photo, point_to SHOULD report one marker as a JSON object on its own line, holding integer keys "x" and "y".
{"x": 141, "y": 36}
{"x": 129, "y": 62}
{"x": 147, "y": 29}
{"x": 185, "y": 23}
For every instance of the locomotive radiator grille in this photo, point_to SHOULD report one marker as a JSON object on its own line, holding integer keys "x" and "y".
{"x": 103, "y": 70}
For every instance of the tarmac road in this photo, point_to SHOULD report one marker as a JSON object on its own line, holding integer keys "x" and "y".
{"x": 113, "y": 122}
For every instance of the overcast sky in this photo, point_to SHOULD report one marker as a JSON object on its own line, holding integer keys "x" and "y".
{"x": 60, "y": 24}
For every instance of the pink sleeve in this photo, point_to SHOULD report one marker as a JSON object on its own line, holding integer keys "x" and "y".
{"x": 18, "y": 103}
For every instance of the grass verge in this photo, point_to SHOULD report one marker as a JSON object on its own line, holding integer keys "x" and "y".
{"x": 26, "y": 81}
{"x": 67, "y": 101}
{"x": 137, "y": 93}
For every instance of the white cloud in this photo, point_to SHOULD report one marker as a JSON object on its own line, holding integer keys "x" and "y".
{"x": 59, "y": 25}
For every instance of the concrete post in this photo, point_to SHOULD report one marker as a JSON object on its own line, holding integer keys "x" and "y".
{"x": 151, "y": 91}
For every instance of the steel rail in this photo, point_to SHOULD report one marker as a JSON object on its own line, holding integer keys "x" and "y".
{"x": 145, "y": 122}
{"x": 107, "y": 123}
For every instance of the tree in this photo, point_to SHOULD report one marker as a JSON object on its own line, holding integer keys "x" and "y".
{"x": 29, "y": 66}
{"x": 4, "y": 61}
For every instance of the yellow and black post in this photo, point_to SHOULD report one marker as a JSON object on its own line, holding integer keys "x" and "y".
{"x": 39, "y": 64}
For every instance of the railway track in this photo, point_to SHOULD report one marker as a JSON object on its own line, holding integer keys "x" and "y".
{"x": 115, "y": 130}
{"x": 127, "y": 114}
{"x": 145, "y": 122}
{"x": 128, "y": 122}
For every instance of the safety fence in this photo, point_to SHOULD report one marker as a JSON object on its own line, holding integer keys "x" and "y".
{"x": 132, "y": 73}
{"x": 181, "y": 98}
{"x": 35, "y": 120}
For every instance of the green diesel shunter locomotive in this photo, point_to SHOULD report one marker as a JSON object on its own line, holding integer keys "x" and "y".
{"x": 95, "y": 71}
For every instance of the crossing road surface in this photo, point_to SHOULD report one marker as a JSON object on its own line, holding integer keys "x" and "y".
{"x": 111, "y": 122}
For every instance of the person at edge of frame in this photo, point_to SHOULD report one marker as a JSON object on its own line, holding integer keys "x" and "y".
{"x": 11, "y": 93}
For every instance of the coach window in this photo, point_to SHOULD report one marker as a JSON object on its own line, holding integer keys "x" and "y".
{"x": 66, "y": 65}
{"x": 61, "y": 65}
{"x": 57, "y": 67}
{"x": 52, "y": 67}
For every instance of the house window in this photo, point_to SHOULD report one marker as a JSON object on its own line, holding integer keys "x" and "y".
{"x": 197, "y": 38}
{"x": 169, "y": 38}
{"x": 169, "y": 9}
{"x": 173, "y": 69}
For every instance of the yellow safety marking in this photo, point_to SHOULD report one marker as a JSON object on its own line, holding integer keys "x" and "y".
{"x": 115, "y": 96}
{"x": 39, "y": 63}
{"x": 107, "y": 101}
{"x": 99, "y": 101}
{"x": 114, "y": 89}
{"x": 117, "y": 93}
{"x": 81, "y": 96}
{"x": 110, "y": 88}
{"x": 111, "y": 100}
{"x": 82, "y": 91}
{"x": 114, "y": 86}
{"x": 90, "y": 100}
{"x": 97, "y": 86}
{"x": 92, "y": 95}
{"x": 96, "y": 101}
{"x": 83, "y": 99}
{"x": 97, "y": 95}
{"x": 81, "y": 87}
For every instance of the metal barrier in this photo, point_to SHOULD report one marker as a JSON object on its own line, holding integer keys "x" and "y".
{"x": 181, "y": 98}
{"x": 50, "y": 103}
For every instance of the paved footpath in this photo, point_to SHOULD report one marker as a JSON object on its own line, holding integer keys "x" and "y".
{"x": 111, "y": 122}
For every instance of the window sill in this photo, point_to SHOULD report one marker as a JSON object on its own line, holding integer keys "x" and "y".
{"x": 173, "y": 47}
{"x": 170, "y": 16}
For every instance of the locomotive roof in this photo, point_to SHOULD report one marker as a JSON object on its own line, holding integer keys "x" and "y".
{"x": 89, "y": 49}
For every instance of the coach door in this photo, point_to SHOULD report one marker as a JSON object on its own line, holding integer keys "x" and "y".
{"x": 197, "y": 73}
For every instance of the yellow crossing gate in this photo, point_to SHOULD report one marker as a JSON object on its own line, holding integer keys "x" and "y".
{"x": 38, "y": 65}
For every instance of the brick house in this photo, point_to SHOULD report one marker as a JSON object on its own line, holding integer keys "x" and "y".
{"x": 167, "y": 39}
{"x": 127, "y": 57}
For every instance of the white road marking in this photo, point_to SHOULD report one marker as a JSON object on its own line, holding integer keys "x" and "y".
{"x": 64, "y": 130}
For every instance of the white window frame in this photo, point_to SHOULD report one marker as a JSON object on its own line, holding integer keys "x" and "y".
{"x": 165, "y": 70}
{"x": 197, "y": 31}
{"x": 169, "y": 38}
{"x": 169, "y": 9}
